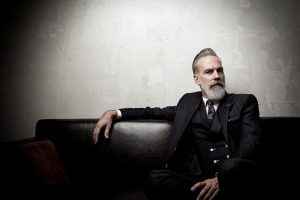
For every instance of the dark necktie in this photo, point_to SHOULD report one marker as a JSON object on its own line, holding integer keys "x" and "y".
{"x": 211, "y": 109}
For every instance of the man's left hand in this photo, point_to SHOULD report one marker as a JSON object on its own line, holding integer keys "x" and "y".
{"x": 208, "y": 189}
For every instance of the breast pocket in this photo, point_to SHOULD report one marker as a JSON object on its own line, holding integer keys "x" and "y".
{"x": 234, "y": 125}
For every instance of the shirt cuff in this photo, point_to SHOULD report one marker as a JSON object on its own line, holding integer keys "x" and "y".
{"x": 119, "y": 116}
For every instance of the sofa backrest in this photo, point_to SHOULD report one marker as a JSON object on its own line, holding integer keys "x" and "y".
{"x": 133, "y": 148}
{"x": 140, "y": 143}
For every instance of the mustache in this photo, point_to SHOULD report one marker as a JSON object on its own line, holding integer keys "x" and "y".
{"x": 218, "y": 83}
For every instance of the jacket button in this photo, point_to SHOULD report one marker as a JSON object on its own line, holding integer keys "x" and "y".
{"x": 227, "y": 156}
{"x": 226, "y": 145}
{"x": 212, "y": 149}
{"x": 215, "y": 161}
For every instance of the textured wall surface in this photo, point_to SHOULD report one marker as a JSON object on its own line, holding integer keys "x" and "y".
{"x": 78, "y": 58}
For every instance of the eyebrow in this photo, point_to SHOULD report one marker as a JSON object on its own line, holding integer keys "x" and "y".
{"x": 217, "y": 68}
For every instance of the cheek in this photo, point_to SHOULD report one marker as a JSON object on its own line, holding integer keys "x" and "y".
{"x": 206, "y": 80}
{"x": 223, "y": 78}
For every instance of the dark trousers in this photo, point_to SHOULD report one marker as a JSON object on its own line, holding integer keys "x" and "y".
{"x": 238, "y": 179}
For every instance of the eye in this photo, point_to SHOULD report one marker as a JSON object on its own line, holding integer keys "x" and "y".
{"x": 208, "y": 71}
{"x": 220, "y": 70}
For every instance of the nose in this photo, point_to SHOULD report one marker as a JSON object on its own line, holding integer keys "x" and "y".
{"x": 216, "y": 74}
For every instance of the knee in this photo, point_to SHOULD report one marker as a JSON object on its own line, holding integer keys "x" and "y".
{"x": 152, "y": 180}
{"x": 152, "y": 187}
{"x": 152, "y": 177}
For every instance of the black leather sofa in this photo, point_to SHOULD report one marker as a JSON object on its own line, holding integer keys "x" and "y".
{"x": 62, "y": 161}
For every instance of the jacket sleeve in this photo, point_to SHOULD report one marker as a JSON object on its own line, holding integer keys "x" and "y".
{"x": 251, "y": 131}
{"x": 166, "y": 113}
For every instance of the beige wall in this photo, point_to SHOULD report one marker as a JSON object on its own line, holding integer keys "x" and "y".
{"x": 75, "y": 59}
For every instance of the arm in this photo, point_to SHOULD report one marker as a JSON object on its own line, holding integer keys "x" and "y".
{"x": 107, "y": 118}
{"x": 251, "y": 131}
{"x": 167, "y": 113}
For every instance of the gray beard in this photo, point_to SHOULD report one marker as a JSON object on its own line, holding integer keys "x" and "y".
{"x": 215, "y": 93}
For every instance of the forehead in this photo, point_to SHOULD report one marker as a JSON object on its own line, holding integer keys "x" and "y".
{"x": 208, "y": 62}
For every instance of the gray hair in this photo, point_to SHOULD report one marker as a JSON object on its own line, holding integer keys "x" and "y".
{"x": 203, "y": 53}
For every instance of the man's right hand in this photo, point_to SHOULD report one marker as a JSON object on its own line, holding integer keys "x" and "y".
{"x": 104, "y": 122}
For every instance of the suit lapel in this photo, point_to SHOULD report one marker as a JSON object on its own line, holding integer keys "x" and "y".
{"x": 184, "y": 113}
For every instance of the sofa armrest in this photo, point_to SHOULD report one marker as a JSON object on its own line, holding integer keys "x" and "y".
{"x": 45, "y": 164}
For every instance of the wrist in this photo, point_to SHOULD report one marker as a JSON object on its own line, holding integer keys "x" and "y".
{"x": 113, "y": 114}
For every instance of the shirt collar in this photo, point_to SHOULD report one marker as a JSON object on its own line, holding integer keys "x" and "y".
{"x": 215, "y": 102}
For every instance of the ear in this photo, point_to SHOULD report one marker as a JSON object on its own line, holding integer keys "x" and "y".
{"x": 197, "y": 79}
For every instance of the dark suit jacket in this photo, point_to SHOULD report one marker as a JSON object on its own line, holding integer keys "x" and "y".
{"x": 237, "y": 118}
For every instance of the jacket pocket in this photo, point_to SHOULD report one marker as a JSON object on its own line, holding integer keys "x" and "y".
{"x": 233, "y": 119}
{"x": 234, "y": 126}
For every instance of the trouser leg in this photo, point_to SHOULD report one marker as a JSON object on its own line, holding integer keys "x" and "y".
{"x": 238, "y": 179}
{"x": 165, "y": 184}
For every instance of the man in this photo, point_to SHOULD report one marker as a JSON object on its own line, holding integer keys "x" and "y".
{"x": 222, "y": 129}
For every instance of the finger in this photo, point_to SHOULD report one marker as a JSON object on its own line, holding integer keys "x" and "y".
{"x": 208, "y": 194}
{"x": 96, "y": 134}
{"x": 214, "y": 194}
{"x": 196, "y": 186}
{"x": 106, "y": 132}
{"x": 202, "y": 193}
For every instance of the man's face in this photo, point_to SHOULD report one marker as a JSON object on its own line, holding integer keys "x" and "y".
{"x": 210, "y": 77}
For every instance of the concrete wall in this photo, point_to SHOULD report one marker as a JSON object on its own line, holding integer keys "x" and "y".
{"x": 78, "y": 58}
